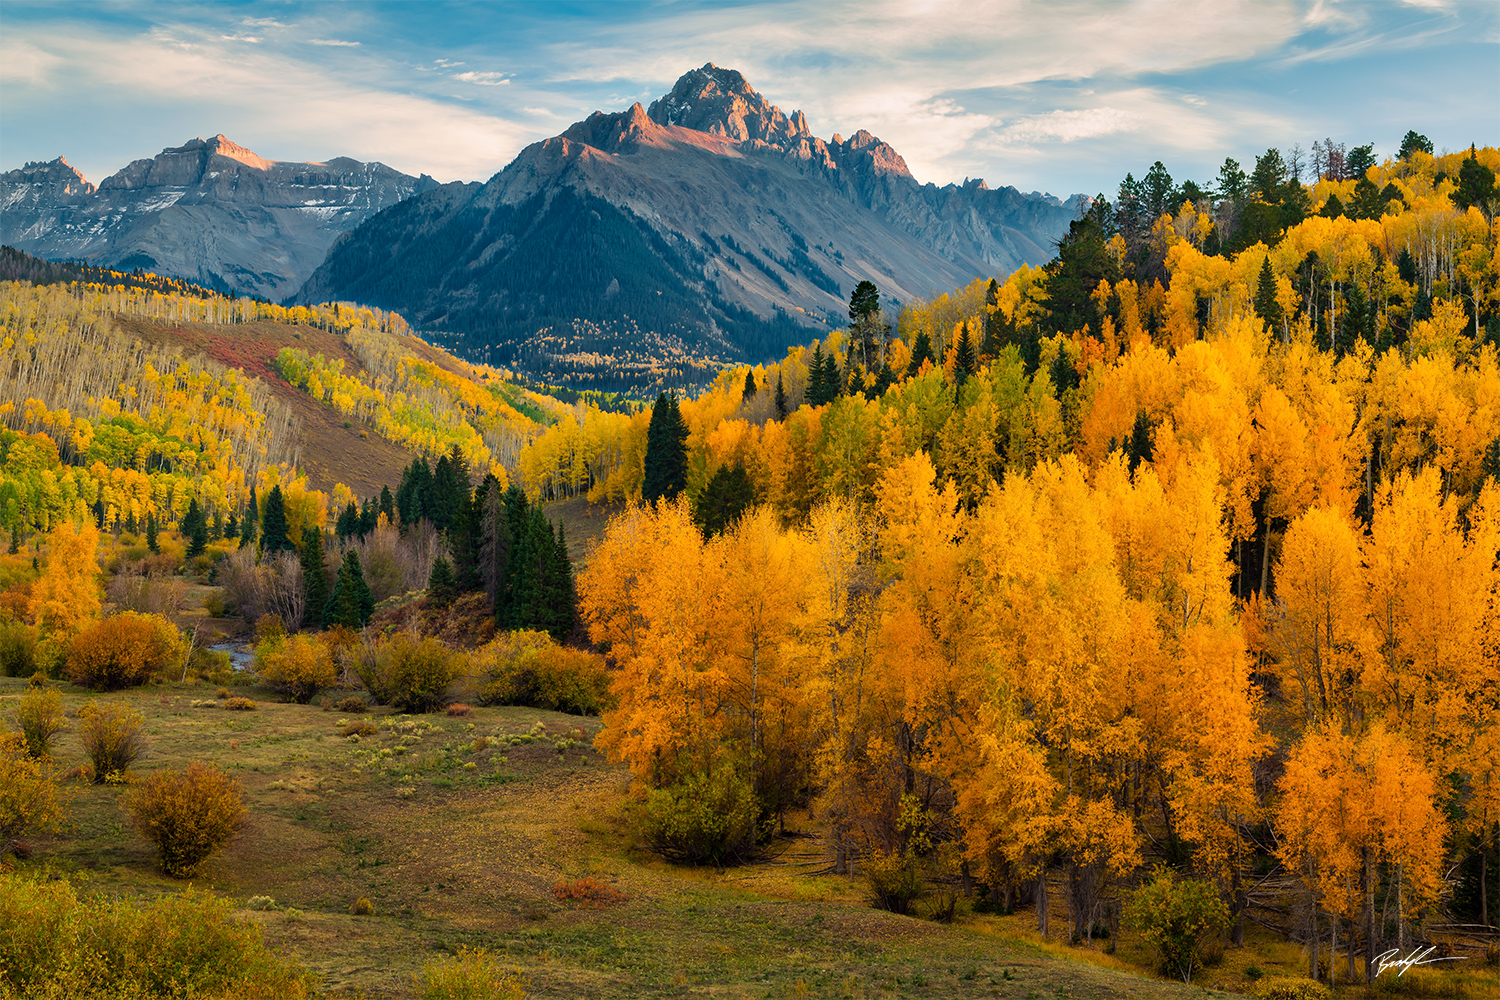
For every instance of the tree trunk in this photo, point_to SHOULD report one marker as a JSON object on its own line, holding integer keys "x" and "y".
{"x": 1312, "y": 924}
{"x": 1333, "y": 944}
{"x": 1400, "y": 911}
{"x": 1238, "y": 889}
{"x": 1367, "y": 884}
{"x": 1041, "y": 903}
{"x": 1484, "y": 896}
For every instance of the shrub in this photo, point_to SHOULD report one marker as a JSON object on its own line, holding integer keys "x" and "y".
{"x": 411, "y": 674}
{"x": 1175, "y": 916}
{"x": 147, "y": 594}
{"x": 362, "y": 907}
{"x": 17, "y": 649}
{"x": 240, "y": 704}
{"x": 29, "y": 798}
{"x": 188, "y": 945}
{"x": 40, "y": 717}
{"x": 1291, "y": 988}
{"x": 351, "y": 705}
{"x": 469, "y": 975}
{"x": 359, "y": 727}
{"x": 528, "y": 668}
{"x": 298, "y": 666}
{"x": 123, "y": 650}
{"x": 260, "y": 903}
{"x": 214, "y": 666}
{"x": 588, "y": 890}
{"x": 702, "y": 819}
{"x": 459, "y": 709}
{"x": 189, "y": 814}
{"x": 113, "y": 738}
{"x": 895, "y": 880}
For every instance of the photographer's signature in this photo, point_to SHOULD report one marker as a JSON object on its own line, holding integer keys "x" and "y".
{"x": 1392, "y": 960}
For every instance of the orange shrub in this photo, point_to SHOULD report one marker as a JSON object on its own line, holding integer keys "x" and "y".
{"x": 189, "y": 814}
{"x": 588, "y": 890}
{"x": 298, "y": 665}
{"x": 124, "y": 650}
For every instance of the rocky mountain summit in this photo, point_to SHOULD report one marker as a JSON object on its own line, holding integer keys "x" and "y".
{"x": 711, "y": 227}
{"x": 211, "y": 211}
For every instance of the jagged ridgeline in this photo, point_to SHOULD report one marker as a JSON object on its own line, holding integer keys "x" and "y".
{"x": 136, "y": 400}
{"x": 646, "y": 249}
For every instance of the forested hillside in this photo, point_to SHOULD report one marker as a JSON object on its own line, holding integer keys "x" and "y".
{"x": 1179, "y": 549}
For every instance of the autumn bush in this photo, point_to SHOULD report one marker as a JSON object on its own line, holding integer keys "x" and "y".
{"x": 17, "y": 649}
{"x": 187, "y": 946}
{"x": 147, "y": 594}
{"x": 39, "y": 713}
{"x": 529, "y": 668}
{"x": 1176, "y": 916}
{"x": 124, "y": 650}
{"x": 469, "y": 975}
{"x": 588, "y": 890}
{"x": 298, "y": 665}
{"x": 411, "y": 674}
{"x": 1290, "y": 988}
{"x": 705, "y": 818}
{"x": 113, "y": 737}
{"x": 189, "y": 814}
{"x": 895, "y": 880}
{"x": 29, "y": 796}
{"x": 352, "y": 705}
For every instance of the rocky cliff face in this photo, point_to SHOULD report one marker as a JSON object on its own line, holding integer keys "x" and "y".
{"x": 210, "y": 211}
{"x": 711, "y": 227}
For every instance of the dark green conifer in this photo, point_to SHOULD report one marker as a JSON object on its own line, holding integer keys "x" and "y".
{"x": 274, "y": 532}
{"x": 780, "y": 397}
{"x": 348, "y": 522}
{"x": 964, "y": 362}
{"x": 441, "y": 587}
{"x": 1266, "y": 305}
{"x": 194, "y": 529}
{"x": 314, "y": 578}
{"x": 351, "y": 602}
{"x": 494, "y": 541}
{"x": 748, "y": 393}
{"x": 920, "y": 351}
{"x": 726, "y": 496}
{"x": 387, "y": 505}
{"x": 666, "y": 451}
{"x": 152, "y": 542}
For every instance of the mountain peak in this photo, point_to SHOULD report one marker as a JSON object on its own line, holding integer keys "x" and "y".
{"x": 722, "y": 102}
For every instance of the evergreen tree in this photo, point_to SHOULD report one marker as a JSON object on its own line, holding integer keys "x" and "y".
{"x": 369, "y": 516}
{"x": 964, "y": 362}
{"x": 1359, "y": 318}
{"x": 441, "y": 587}
{"x": 995, "y": 334}
{"x": 249, "y": 528}
{"x": 348, "y": 522}
{"x": 1476, "y": 185}
{"x": 133, "y": 527}
{"x": 563, "y": 615}
{"x": 274, "y": 532}
{"x": 666, "y": 451}
{"x": 351, "y": 602}
{"x": 194, "y": 528}
{"x": 449, "y": 491}
{"x": 1413, "y": 142}
{"x": 542, "y": 595}
{"x": 494, "y": 541}
{"x": 725, "y": 497}
{"x": 780, "y": 398}
{"x": 920, "y": 351}
{"x": 884, "y": 379}
{"x": 1266, "y": 306}
{"x": 314, "y": 578}
{"x": 387, "y": 505}
{"x": 865, "y": 325}
{"x": 816, "y": 392}
{"x": 750, "y": 389}
{"x": 1332, "y": 208}
{"x": 216, "y": 529}
{"x": 152, "y": 542}
{"x": 464, "y": 537}
{"x": 98, "y": 507}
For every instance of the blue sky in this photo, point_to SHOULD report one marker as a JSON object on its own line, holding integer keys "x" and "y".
{"x": 1061, "y": 97}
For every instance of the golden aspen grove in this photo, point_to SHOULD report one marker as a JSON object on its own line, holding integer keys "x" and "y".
{"x": 1142, "y": 607}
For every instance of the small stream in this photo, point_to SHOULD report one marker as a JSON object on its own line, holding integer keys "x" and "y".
{"x": 240, "y": 655}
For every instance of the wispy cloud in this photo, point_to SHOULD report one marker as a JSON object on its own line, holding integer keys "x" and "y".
{"x": 483, "y": 79}
{"x": 332, "y": 42}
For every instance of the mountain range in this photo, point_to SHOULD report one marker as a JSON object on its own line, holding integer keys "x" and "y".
{"x": 710, "y": 228}
{"x": 210, "y": 211}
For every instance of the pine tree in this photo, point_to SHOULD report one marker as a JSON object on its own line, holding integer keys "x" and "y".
{"x": 816, "y": 392}
{"x": 494, "y": 541}
{"x": 666, "y": 451}
{"x": 921, "y": 351}
{"x": 750, "y": 388}
{"x": 441, "y": 587}
{"x": 780, "y": 398}
{"x": 231, "y": 525}
{"x": 1266, "y": 305}
{"x": 152, "y": 542}
{"x": 464, "y": 539}
{"x": 216, "y": 529}
{"x": 387, "y": 505}
{"x": 250, "y": 527}
{"x": 351, "y": 602}
{"x": 964, "y": 362}
{"x": 274, "y": 534}
{"x": 369, "y": 517}
{"x": 348, "y": 522}
{"x": 194, "y": 528}
{"x": 563, "y": 605}
{"x": 98, "y": 507}
{"x": 725, "y": 497}
{"x": 314, "y": 578}
{"x": 132, "y": 526}
{"x": 884, "y": 379}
